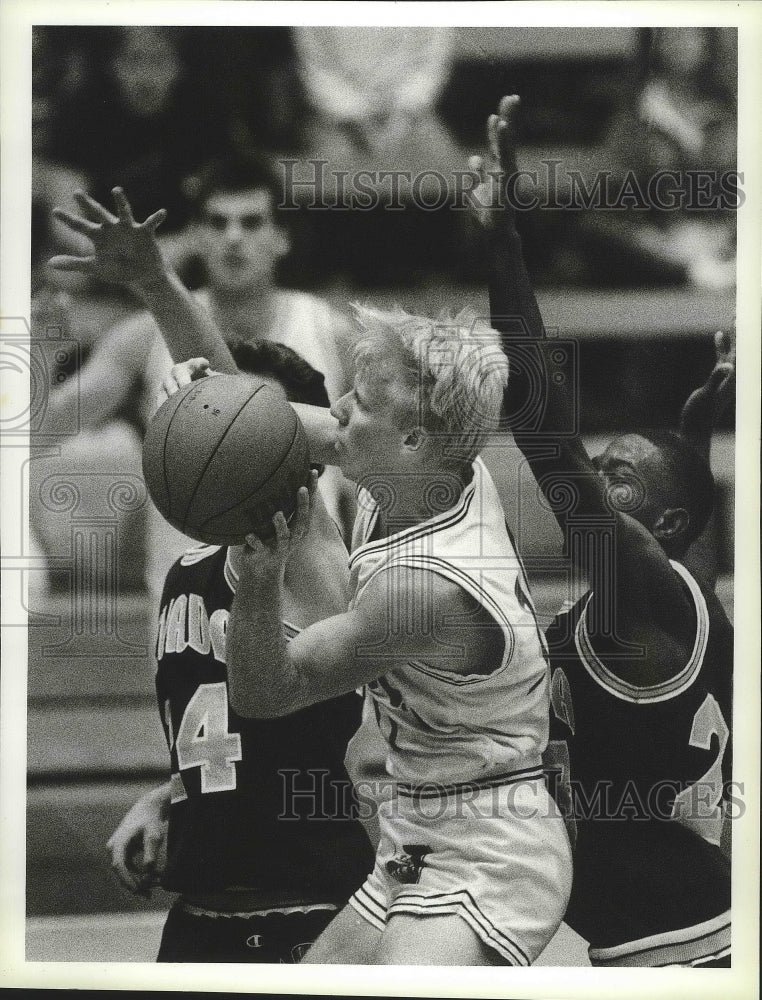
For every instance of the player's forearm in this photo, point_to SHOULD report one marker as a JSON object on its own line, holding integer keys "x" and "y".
{"x": 188, "y": 330}
{"x": 696, "y": 421}
{"x": 513, "y": 306}
{"x": 515, "y": 314}
{"x": 262, "y": 681}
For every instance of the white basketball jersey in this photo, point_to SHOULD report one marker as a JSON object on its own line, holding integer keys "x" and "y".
{"x": 441, "y": 726}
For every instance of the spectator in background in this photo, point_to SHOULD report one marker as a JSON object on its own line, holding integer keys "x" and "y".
{"x": 138, "y": 121}
{"x": 683, "y": 117}
{"x": 111, "y": 105}
{"x": 373, "y": 91}
{"x": 241, "y": 241}
{"x": 253, "y": 85}
{"x": 56, "y": 70}
{"x": 371, "y": 94}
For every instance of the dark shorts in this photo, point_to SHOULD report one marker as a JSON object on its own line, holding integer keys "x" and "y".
{"x": 271, "y": 937}
{"x": 651, "y": 895}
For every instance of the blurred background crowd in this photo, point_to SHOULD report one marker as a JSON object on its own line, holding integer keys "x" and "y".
{"x": 146, "y": 107}
{"x": 638, "y": 288}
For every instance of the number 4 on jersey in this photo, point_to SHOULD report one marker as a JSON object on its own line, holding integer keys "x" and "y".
{"x": 203, "y": 740}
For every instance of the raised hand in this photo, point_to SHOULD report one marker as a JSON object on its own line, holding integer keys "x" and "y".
{"x": 498, "y": 176}
{"x": 125, "y": 252}
{"x": 705, "y": 405}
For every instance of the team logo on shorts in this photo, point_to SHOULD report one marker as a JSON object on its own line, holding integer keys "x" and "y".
{"x": 406, "y": 866}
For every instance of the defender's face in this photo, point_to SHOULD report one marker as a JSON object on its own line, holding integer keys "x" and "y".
{"x": 239, "y": 239}
{"x": 632, "y": 469}
{"x": 370, "y": 433}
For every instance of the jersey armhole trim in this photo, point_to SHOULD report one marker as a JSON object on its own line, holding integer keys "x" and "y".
{"x": 471, "y": 587}
{"x": 653, "y": 693}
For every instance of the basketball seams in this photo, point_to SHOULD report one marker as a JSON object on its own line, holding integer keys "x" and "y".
{"x": 228, "y": 483}
{"x": 218, "y": 445}
{"x": 167, "y": 488}
{"x": 260, "y": 486}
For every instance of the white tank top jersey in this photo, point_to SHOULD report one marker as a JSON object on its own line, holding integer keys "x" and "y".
{"x": 440, "y": 726}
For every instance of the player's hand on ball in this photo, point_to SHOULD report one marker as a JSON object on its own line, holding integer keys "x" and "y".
{"x": 497, "y": 175}
{"x": 263, "y": 557}
{"x": 125, "y": 252}
{"x": 182, "y": 374}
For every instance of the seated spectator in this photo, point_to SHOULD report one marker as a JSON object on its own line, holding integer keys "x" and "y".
{"x": 683, "y": 118}
{"x": 138, "y": 121}
{"x": 372, "y": 95}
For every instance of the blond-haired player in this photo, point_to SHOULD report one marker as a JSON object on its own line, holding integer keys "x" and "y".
{"x": 473, "y": 865}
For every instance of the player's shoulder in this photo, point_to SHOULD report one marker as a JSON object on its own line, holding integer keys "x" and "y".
{"x": 196, "y": 562}
{"x": 313, "y": 308}
{"x": 194, "y": 556}
{"x": 396, "y": 588}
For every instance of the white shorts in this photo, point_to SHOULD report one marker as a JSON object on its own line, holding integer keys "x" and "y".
{"x": 496, "y": 855}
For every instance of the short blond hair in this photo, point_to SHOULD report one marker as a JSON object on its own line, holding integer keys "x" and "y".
{"x": 453, "y": 367}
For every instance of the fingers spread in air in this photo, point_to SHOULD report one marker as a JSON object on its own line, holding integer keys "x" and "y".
{"x": 76, "y": 222}
{"x": 92, "y": 208}
{"x": 723, "y": 346}
{"x": 476, "y": 163}
{"x": 123, "y": 208}
{"x": 154, "y": 221}
{"x": 492, "y": 136}
{"x": 65, "y": 262}
{"x": 508, "y": 105}
{"x": 312, "y": 483}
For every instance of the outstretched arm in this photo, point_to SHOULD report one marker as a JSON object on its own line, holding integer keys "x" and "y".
{"x": 126, "y": 252}
{"x": 698, "y": 418}
{"x": 705, "y": 405}
{"x": 549, "y": 444}
{"x": 514, "y": 311}
{"x": 610, "y": 548}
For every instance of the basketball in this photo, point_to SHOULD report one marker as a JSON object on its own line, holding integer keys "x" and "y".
{"x": 221, "y": 456}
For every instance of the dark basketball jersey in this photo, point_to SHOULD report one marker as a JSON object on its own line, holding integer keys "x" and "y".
{"x": 260, "y": 804}
{"x": 645, "y": 771}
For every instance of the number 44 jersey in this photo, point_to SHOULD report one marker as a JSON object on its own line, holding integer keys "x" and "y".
{"x": 257, "y": 804}
{"x": 645, "y": 773}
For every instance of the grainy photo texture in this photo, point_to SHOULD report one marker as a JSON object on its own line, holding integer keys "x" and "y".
{"x": 378, "y": 552}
